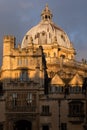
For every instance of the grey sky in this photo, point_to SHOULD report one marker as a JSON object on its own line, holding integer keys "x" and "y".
{"x": 18, "y": 16}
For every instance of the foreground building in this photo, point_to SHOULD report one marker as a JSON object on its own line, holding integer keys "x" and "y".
{"x": 41, "y": 84}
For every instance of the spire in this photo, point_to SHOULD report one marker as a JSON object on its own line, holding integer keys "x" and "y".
{"x": 46, "y": 13}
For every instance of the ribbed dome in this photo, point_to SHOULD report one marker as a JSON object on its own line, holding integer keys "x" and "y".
{"x": 46, "y": 32}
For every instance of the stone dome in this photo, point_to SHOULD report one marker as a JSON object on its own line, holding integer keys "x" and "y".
{"x": 46, "y": 32}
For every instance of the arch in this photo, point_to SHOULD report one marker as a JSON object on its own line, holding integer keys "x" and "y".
{"x": 23, "y": 125}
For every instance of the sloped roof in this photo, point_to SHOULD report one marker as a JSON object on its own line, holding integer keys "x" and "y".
{"x": 56, "y": 80}
{"x": 76, "y": 81}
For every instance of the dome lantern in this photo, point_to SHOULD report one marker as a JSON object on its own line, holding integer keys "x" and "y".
{"x": 46, "y": 13}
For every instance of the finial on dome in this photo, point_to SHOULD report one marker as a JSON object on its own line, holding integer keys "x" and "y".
{"x": 46, "y": 13}
{"x": 46, "y": 8}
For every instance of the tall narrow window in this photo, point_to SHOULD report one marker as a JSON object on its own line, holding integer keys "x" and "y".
{"x": 45, "y": 110}
{"x": 26, "y": 61}
{"x": 24, "y": 76}
{"x": 19, "y": 62}
{"x": 14, "y": 99}
{"x": 29, "y": 99}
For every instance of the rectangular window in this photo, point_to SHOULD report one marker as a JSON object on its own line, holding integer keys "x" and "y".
{"x": 22, "y": 61}
{"x": 56, "y": 89}
{"x": 53, "y": 89}
{"x": 26, "y": 61}
{"x": 75, "y": 89}
{"x": 29, "y": 98}
{"x": 19, "y": 61}
{"x": 45, "y": 110}
{"x": 63, "y": 126}
{"x": 60, "y": 89}
{"x": 45, "y": 127}
{"x": 14, "y": 99}
{"x": 24, "y": 76}
{"x": 76, "y": 109}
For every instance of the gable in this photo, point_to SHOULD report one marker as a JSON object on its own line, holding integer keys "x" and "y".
{"x": 56, "y": 80}
{"x": 76, "y": 81}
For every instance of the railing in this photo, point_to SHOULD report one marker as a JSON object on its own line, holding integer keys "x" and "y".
{"x": 65, "y": 61}
{"x": 18, "y": 85}
{"x": 77, "y": 119}
{"x": 10, "y": 107}
{"x": 21, "y": 109}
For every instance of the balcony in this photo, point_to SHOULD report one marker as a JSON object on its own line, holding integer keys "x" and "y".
{"x": 76, "y": 119}
{"x": 20, "y": 108}
{"x": 19, "y": 85}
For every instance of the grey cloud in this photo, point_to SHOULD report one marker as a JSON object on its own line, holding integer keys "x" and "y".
{"x": 17, "y": 16}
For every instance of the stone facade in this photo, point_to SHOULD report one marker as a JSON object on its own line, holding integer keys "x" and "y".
{"x": 42, "y": 85}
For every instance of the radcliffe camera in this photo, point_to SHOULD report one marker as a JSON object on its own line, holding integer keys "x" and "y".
{"x": 42, "y": 85}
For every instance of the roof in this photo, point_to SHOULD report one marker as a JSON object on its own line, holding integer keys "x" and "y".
{"x": 46, "y": 32}
{"x": 77, "y": 80}
{"x": 56, "y": 80}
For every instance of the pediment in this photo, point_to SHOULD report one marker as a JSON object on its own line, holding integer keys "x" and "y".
{"x": 76, "y": 81}
{"x": 56, "y": 80}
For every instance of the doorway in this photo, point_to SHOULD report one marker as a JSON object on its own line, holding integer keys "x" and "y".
{"x": 23, "y": 125}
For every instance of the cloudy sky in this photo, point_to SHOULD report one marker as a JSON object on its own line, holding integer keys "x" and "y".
{"x": 18, "y": 16}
